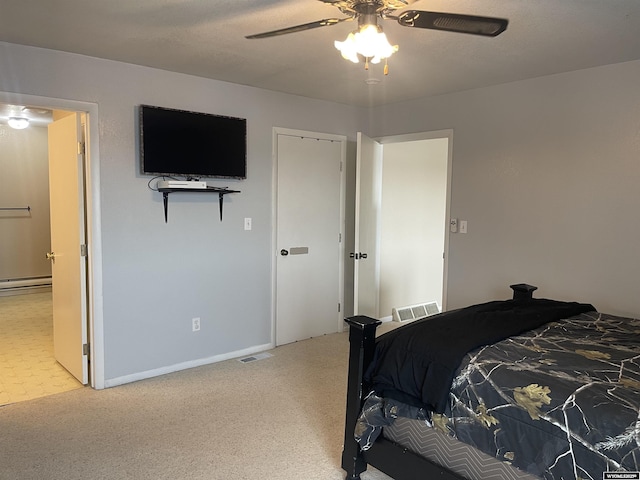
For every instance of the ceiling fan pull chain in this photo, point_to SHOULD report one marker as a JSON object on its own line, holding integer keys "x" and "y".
{"x": 386, "y": 67}
{"x": 366, "y": 63}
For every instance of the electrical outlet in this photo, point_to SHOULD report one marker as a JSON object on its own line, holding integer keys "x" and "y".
{"x": 195, "y": 324}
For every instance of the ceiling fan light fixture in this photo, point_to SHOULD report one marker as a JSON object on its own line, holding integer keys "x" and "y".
{"x": 348, "y": 48}
{"x": 368, "y": 41}
{"x": 18, "y": 122}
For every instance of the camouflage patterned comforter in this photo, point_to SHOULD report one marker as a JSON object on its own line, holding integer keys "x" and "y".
{"x": 561, "y": 401}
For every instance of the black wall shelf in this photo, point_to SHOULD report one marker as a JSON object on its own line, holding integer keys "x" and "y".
{"x": 220, "y": 191}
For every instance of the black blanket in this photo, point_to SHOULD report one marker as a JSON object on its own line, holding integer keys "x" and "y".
{"x": 416, "y": 363}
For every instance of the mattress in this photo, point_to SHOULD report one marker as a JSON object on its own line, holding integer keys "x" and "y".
{"x": 561, "y": 401}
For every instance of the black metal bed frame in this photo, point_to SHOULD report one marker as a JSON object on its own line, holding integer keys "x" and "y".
{"x": 385, "y": 455}
{"x": 388, "y": 457}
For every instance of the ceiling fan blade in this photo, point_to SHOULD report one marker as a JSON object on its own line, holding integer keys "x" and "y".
{"x": 453, "y": 22}
{"x": 299, "y": 28}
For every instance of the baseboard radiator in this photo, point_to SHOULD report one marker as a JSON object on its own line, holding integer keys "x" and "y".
{"x": 414, "y": 312}
{"x": 18, "y": 286}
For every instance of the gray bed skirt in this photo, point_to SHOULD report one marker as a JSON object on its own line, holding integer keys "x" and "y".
{"x": 459, "y": 457}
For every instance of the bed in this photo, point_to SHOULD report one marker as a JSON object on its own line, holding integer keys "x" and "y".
{"x": 543, "y": 389}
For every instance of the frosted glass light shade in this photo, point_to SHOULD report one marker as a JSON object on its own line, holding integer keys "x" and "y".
{"x": 369, "y": 41}
{"x": 18, "y": 122}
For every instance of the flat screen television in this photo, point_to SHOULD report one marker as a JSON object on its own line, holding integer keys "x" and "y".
{"x": 178, "y": 143}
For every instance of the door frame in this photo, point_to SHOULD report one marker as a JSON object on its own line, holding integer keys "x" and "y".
{"x": 95, "y": 320}
{"x": 432, "y": 135}
{"x": 274, "y": 215}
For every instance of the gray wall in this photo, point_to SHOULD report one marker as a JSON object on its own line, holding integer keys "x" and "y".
{"x": 546, "y": 171}
{"x": 157, "y": 276}
{"x": 24, "y": 181}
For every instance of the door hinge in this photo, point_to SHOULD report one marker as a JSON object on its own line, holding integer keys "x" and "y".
{"x": 83, "y": 250}
{"x": 85, "y": 349}
{"x": 340, "y": 238}
{"x": 80, "y": 148}
{"x": 339, "y": 308}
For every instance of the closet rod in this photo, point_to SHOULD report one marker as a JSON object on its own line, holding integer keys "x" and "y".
{"x": 28, "y": 208}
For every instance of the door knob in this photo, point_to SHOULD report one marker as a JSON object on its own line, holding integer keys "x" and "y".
{"x": 284, "y": 252}
{"x": 51, "y": 256}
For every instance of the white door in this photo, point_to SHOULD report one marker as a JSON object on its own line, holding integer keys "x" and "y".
{"x": 309, "y": 266}
{"x": 68, "y": 265}
{"x": 367, "y": 231}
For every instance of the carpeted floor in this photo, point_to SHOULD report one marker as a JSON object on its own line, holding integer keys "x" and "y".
{"x": 279, "y": 418}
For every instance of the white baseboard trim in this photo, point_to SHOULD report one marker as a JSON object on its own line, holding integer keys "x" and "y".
{"x": 134, "y": 377}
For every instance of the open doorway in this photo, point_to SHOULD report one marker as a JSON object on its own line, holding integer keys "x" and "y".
{"x": 413, "y": 224}
{"x": 26, "y": 306}
{"x": 29, "y": 368}
{"x": 401, "y": 235}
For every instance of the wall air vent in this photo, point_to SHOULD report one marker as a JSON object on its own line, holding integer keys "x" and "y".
{"x": 414, "y": 312}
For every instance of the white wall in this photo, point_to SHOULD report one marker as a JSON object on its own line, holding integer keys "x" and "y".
{"x": 157, "y": 276}
{"x": 412, "y": 220}
{"x": 24, "y": 181}
{"x": 546, "y": 171}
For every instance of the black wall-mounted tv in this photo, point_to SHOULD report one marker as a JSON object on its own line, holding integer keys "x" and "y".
{"x": 179, "y": 143}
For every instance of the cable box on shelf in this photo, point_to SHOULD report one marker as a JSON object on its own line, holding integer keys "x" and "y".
{"x": 181, "y": 184}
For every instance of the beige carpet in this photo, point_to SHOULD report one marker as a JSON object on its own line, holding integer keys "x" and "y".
{"x": 281, "y": 417}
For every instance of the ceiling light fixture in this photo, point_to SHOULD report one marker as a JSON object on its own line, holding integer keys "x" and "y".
{"x": 18, "y": 122}
{"x": 369, "y": 41}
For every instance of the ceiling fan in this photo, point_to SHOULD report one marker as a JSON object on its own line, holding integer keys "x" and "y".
{"x": 367, "y": 12}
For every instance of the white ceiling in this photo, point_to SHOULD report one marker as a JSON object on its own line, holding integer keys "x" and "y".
{"x": 206, "y": 38}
